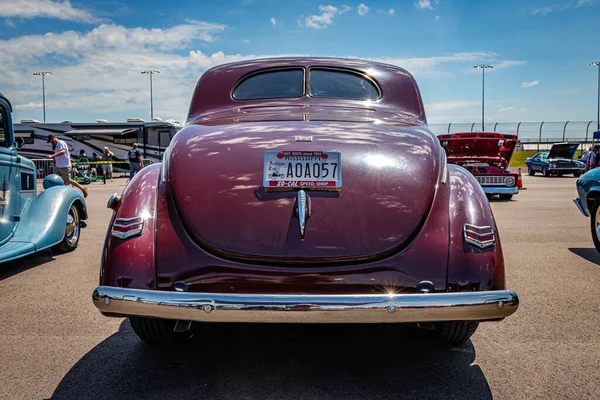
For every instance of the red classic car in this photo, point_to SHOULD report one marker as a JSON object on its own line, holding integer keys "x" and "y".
{"x": 486, "y": 155}
{"x": 303, "y": 190}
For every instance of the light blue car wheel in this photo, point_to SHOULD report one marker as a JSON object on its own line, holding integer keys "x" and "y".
{"x": 72, "y": 230}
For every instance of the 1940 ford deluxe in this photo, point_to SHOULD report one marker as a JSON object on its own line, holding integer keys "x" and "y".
{"x": 304, "y": 190}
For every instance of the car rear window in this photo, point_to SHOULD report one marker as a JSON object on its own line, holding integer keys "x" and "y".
{"x": 276, "y": 84}
{"x": 338, "y": 84}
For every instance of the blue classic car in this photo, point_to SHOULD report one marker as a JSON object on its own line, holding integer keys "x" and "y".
{"x": 558, "y": 161}
{"x": 31, "y": 221}
{"x": 588, "y": 202}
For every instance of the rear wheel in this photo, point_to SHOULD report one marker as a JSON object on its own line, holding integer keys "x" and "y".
{"x": 71, "y": 238}
{"x": 157, "y": 331}
{"x": 577, "y": 174}
{"x": 595, "y": 223}
{"x": 454, "y": 332}
{"x": 506, "y": 196}
{"x": 530, "y": 171}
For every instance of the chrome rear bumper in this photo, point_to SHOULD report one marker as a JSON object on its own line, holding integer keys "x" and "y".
{"x": 500, "y": 190}
{"x": 580, "y": 206}
{"x": 224, "y": 307}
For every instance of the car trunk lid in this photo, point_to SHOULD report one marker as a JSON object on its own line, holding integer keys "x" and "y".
{"x": 390, "y": 175}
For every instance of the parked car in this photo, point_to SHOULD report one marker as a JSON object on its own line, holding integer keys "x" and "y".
{"x": 486, "y": 155}
{"x": 588, "y": 202}
{"x": 303, "y": 190}
{"x": 558, "y": 161}
{"x": 32, "y": 221}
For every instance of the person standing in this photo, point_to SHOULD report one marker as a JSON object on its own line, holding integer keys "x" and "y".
{"x": 107, "y": 169}
{"x": 586, "y": 158}
{"x": 62, "y": 162}
{"x": 135, "y": 161}
{"x": 592, "y": 158}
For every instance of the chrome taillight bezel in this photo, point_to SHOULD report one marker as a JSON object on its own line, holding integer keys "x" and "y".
{"x": 130, "y": 227}
{"x": 479, "y": 236}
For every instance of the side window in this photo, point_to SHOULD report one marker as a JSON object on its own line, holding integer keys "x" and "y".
{"x": 278, "y": 84}
{"x": 335, "y": 84}
{"x": 3, "y": 127}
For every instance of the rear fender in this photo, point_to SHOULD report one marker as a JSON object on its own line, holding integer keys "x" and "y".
{"x": 129, "y": 263}
{"x": 471, "y": 268}
{"x": 44, "y": 218}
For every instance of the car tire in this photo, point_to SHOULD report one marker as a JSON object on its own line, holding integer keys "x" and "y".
{"x": 595, "y": 223}
{"x": 157, "y": 331}
{"x": 545, "y": 172}
{"x": 506, "y": 196}
{"x": 530, "y": 171}
{"x": 454, "y": 332}
{"x": 72, "y": 232}
{"x": 577, "y": 174}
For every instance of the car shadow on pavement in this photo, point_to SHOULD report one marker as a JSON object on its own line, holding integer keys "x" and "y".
{"x": 17, "y": 266}
{"x": 589, "y": 254}
{"x": 278, "y": 361}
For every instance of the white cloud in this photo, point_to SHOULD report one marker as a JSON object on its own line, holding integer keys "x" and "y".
{"x": 362, "y": 9}
{"x": 529, "y": 84}
{"x": 273, "y": 21}
{"x": 28, "y": 9}
{"x": 423, "y": 4}
{"x": 510, "y": 109}
{"x": 563, "y": 7}
{"x": 437, "y": 17}
{"x": 98, "y": 72}
{"x": 391, "y": 11}
{"x": 508, "y": 64}
{"x": 323, "y": 20}
{"x": 246, "y": 41}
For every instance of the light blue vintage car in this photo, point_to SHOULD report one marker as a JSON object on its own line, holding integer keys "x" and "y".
{"x": 31, "y": 221}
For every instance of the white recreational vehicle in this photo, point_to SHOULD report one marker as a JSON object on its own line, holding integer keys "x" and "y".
{"x": 152, "y": 137}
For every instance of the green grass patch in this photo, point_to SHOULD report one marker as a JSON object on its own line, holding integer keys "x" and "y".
{"x": 519, "y": 157}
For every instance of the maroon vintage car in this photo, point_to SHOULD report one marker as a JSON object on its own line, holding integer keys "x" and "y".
{"x": 303, "y": 190}
{"x": 486, "y": 155}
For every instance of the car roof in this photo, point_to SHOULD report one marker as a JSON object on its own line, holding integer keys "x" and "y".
{"x": 213, "y": 93}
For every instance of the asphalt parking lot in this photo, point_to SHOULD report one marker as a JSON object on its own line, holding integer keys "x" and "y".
{"x": 54, "y": 344}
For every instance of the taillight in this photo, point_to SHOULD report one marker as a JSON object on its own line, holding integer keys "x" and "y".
{"x": 479, "y": 236}
{"x": 124, "y": 228}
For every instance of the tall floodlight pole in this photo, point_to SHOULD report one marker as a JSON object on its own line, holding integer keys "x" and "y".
{"x": 597, "y": 64}
{"x": 43, "y": 75}
{"x": 151, "y": 72}
{"x": 483, "y": 67}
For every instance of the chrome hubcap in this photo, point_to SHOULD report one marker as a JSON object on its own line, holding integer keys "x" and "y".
{"x": 72, "y": 231}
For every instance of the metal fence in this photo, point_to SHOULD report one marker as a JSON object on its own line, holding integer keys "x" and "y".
{"x": 532, "y": 135}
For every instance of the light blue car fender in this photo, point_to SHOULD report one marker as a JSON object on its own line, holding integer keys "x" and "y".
{"x": 44, "y": 218}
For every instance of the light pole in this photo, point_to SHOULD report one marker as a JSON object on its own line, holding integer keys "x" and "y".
{"x": 483, "y": 67}
{"x": 43, "y": 75}
{"x": 151, "y": 72}
{"x": 597, "y": 64}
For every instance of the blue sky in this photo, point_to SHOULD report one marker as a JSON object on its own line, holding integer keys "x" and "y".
{"x": 96, "y": 49}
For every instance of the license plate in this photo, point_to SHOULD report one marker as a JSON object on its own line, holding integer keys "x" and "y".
{"x": 303, "y": 169}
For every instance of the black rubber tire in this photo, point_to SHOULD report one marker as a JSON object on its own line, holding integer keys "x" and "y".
{"x": 593, "y": 213}
{"x": 545, "y": 172}
{"x": 157, "y": 331}
{"x": 454, "y": 332}
{"x": 70, "y": 242}
{"x": 577, "y": 174}
{"x": 530, "y": 171}
{"x": 506, "y": 196}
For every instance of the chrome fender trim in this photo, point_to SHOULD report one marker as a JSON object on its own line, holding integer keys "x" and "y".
{"x": 285, "y": 308}
{"x": 580, "y": 206}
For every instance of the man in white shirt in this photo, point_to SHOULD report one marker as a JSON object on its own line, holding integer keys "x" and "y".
{"x": 62, "y": 162}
